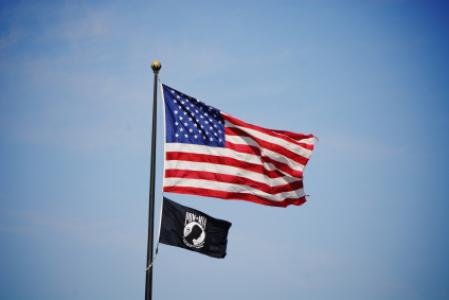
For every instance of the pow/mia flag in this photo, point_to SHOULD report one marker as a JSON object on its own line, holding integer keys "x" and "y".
{"x": 191, "y": 229}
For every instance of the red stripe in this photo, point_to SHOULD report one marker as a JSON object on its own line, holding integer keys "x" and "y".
{"x": 292, "y": 186}
{"x": 236, "y": 196}
{"x": 283, "y": 167}
{"x": 243, "y": 148}
{"x": 297, "y": 137}
{"x": 222, "y": 160}
{"x": 268, "y": 145}
{"x": 288, "y": 136}
{"x": 256, "y": 151}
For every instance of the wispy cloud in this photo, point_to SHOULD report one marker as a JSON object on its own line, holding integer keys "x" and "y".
{"x": 357, "y": 147}
{"x": 90, "y": 25}
{"x": 43, "y": 224}
{"x": 10, "y": 38}
{"x": 74, "y": 27}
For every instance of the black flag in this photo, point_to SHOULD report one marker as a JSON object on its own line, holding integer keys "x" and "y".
{"x": 191, "y": 229}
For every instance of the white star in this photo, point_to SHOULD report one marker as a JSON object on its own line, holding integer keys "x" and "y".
{"x": 181, "y": 129}
{"x": 180, "y": 117}
{"x": 195, "y": 136}
{"x": 211, "y": 139}
{"x": 190, "y": 130}
{"x": 194, "y": 124}
{"x": 186, "y": 124}
{"x": 186, "y": 135}
{"x": 176, "y": 135}
{"x": 176, "y": 112}
{"x": 176, "y": 123}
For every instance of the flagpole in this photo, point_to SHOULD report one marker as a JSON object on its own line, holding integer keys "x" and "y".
{"x": 155, "y": 66}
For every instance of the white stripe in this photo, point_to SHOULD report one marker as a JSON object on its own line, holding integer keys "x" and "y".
{"x": 227, "y": 170}
{"x": 231, "y": 188}
{"x": 272, "y": 139}
{"x": 209, "y": 150}
{"x": 309, "y": 141}
{"x": 244, "y": 157}
{"x": 244, "y": 140}
{"x": 219, "y": 151}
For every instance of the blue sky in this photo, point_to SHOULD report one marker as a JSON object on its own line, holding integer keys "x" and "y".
{"x": 369, "y": 78}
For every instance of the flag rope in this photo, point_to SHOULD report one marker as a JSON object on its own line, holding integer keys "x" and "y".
{"x": 151, "y": 265}
{"x": 157, "y": 245}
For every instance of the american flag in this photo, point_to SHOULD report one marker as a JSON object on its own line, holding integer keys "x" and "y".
{"x": 210, "y": 153}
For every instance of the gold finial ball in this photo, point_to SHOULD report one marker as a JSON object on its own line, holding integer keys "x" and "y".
{"x": 156, "y": 66}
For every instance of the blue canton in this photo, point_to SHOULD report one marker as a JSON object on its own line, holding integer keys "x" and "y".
{"x": 190, "y": 121}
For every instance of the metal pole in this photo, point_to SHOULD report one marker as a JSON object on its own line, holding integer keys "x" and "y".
{"x": 156, "y": 66}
